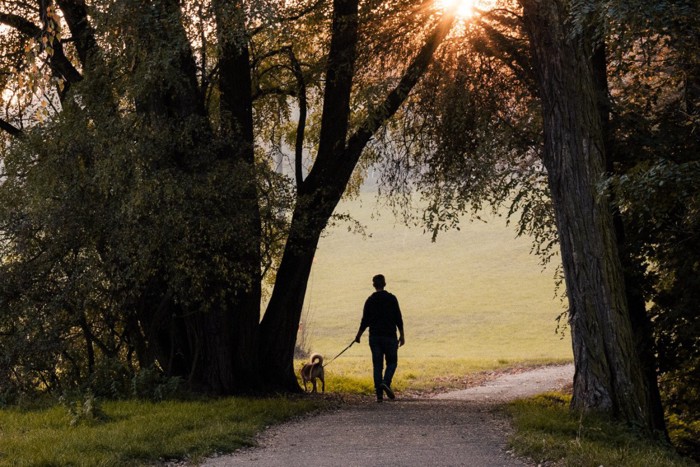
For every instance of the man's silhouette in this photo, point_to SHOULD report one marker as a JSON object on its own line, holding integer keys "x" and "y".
{"x": 382, "y": 316}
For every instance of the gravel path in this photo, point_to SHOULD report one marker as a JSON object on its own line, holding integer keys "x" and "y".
{"x": 459, "y": 428}
{"x": 516, "y": 386}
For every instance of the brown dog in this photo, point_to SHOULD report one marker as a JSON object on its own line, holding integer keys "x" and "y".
{"x": 313, "y": 370}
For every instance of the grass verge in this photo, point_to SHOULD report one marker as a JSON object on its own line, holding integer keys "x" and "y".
{"x": 138, "y": 432}
{"x": 416, "y": 376}
{"x": 549, "y": 433}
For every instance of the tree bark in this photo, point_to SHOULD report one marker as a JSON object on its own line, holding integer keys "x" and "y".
{"x": 609, "y": 376}
{"x": 10, "y": 128}
{"x": 632, "y": 270}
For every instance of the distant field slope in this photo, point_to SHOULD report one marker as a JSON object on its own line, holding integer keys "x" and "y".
{"x": 475, "y": 294}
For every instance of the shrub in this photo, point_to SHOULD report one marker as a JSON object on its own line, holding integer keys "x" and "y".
{"x": 83, "y": 408}
{"x": 151, "y": 384}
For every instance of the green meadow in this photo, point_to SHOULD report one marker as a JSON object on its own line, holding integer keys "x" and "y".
{"x": 474, "y": 299}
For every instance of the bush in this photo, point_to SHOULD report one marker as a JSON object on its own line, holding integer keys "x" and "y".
{"x": 83, "y": 408}
{"x": 151, "y": 384}
{"x": 680, "y": 390}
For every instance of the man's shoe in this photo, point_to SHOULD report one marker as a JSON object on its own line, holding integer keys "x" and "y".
{"x": 379, "y": 399}
{"x": 388, "y": 391}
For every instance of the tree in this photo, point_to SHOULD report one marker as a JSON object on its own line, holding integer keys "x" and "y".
{"x": 609, "y": 374}
{"x": 652, "y": 69}
{"x": 162, "y": 208}
{"x": 154, "y": 113}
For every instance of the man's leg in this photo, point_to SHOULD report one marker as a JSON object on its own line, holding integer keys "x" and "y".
{"x": 391, "y": 350}
{"x": 376, "y": 347}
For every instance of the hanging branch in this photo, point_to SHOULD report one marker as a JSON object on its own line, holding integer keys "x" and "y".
{"x": 59, "y": 63}
{"x": 10, "y": 128}
{"x": 301, "y": 125}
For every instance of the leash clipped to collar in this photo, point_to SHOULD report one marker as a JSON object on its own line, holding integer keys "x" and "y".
{"x": 341, "y": 353}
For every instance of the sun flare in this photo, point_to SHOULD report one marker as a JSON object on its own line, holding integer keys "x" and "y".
{"x": 464, "y": 9}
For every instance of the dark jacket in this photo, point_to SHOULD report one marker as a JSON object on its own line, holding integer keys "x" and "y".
{"x": 382, "y": 315}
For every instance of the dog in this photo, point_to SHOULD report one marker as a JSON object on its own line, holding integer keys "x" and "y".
{"x": 312, "y": 370}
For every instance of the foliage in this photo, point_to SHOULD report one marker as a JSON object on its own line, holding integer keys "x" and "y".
{"x": 151, "y": 384}
{"x": 88, "y": 230}
{"x": 683, "y": 430}
{"x": 463, "y": 146}
{"x": 547, "y": 431}
{"x": 115, "y": 215}
{"x": 654, "y": 72}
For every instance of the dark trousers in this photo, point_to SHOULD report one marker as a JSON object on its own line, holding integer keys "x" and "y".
{"x": 383, "y": 348}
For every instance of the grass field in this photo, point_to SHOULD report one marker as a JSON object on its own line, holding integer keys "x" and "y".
{"x": 476, "y": 298}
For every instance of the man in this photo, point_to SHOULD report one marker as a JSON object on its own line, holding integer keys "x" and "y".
{"x": 383, "y": 316}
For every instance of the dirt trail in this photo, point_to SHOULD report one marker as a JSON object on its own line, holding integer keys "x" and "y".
{"x": 516, "y": 386}
{"x": 458, "y": 428}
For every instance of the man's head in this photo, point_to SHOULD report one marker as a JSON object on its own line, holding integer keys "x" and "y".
{"x": 379, "y": 282}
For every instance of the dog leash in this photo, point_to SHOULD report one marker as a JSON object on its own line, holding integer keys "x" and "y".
{"x": 341, "y": 353}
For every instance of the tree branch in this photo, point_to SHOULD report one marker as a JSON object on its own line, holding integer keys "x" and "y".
{"x": 339, "y": 76}
{"x": 495, "y": 11}
{"x": 284, "y": 19}
{"x": 337, "y": 163}
{"x": 516, "y": 59}
{"x": 380, "y": 114}
{"x": 276, "y": 91}
{"x": 10, "y": 128}
{"x": 75, "y": 14}
{"x": 58, "y": 61}
{"x": 301, "y": 125}
{"x": 21, "y": 24}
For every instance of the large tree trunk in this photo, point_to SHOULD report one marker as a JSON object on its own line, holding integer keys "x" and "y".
{"x": 633, "y": 271}
{"x": 278, "y": 329}
{"x": 231, "y": 332}
{"x": 609, "y": 376}
{"x": 211, "y": 345}
{"x": 314, "y": 206}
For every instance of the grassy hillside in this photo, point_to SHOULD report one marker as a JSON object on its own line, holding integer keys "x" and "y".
{"x": 475, "y": 295}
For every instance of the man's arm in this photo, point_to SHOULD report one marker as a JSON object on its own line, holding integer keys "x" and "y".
{"x": 359, "y": 333}
{"x": 399, "y": 323}
{"x": 363, "y": 324}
